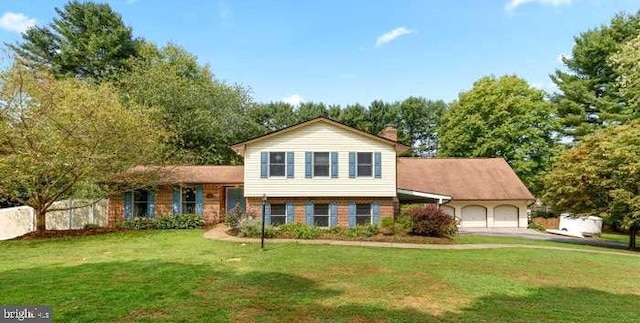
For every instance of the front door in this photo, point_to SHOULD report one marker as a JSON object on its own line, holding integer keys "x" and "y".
{"x": 235, "y": 196}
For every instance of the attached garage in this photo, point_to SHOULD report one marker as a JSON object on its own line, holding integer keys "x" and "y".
{"x": 505, "y": 216}
{"x": 474, "y": 216}
{"x": 483, "y": 192}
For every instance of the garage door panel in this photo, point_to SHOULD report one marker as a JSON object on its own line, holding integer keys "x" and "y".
{"x": 474, "y": 217}
{"x": 505, "y": 216}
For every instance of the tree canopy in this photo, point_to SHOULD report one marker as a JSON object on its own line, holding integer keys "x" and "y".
{"x": 600, "y": 176}
{"x": 590, "y": 96}
{"x": 67, "y": 137}
{"x": 206, "y": 115}
{"x": 502, "y": 117}
{"x": 85, "y": 39}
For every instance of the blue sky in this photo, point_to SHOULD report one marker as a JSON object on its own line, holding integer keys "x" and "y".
{"x": 355, "y": 51}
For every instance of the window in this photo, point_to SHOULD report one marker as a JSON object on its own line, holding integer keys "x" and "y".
{"x": 363, "y": 214}
{"x": 321, "y": 215}
{"x": 188, "y": 200}
{"x": 365, "y": 164}
{"x": 321, "y": 164}
{"x": 277, "y": 165}
{"x": 140, "y": 203}
{"x": 278, "y": 214}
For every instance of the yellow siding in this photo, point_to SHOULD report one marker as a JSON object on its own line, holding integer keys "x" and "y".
{"x": 319, "y": 137}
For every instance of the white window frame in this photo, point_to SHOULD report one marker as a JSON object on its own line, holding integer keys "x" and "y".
{"x": 279, "y": 215}
{"x": 284, "y": 153}
{"x": 372, "y": 164}
{"x": 361, "y": 215}
{"x": 313, "y": 164}
{"x": 328, "y": 215}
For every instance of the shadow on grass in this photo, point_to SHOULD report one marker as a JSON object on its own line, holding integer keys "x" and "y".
{"x": 164, "y": 291}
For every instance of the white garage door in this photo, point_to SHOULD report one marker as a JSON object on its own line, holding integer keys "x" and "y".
{"x": 474, "y": 217}
{"x": 505, "y": 216}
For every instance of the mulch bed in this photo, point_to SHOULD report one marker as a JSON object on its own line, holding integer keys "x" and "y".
{"x": 68, "y": 233}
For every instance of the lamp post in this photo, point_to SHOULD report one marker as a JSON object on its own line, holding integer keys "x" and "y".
{"x": 264, "y": 209}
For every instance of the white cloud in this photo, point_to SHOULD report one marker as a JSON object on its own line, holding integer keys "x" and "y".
{"x": 16, "y": 22}
{"x": 294, "y": 99}
{"x": 391, "y": 35}
{"x": 514, "y": 4}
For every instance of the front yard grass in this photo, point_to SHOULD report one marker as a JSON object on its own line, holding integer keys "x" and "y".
{"x": 180, "y": 276}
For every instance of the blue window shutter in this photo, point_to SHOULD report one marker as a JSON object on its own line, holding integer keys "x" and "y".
{"x": 151, "y": 200}
{"x": 352, "y": 214}
{"x": 176, "y": 201}
{"x": 199, "y": 197}
{"x": 352, "y": 164}
{"x": 378, "y": 164}
{"x": 290, "y": 211}
{"x": 128, "y": 205}
{"x": 334, "y": 164}
{"x": 307, "y": 164}
{"x": 267, "y": 214}
{"x": 333, "y": 214}
{"x": 309, "y": 213}
{"x": 290, "y": 163}
{"x": 375, "y": 211}
{"x": 264, "y": 156}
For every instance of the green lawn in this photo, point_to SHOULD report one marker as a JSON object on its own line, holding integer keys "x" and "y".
{"x": 180, "y": 276}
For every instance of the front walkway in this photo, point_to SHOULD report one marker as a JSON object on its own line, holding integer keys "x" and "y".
{"x": 219, "y": 233}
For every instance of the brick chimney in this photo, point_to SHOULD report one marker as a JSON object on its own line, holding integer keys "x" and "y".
{"x": 390, "y": 132}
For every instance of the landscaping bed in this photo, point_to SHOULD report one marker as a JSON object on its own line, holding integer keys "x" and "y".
{"x": 68, "y": 233}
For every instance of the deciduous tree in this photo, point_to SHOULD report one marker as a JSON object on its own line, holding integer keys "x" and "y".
{"x": 600, "y": 176}
{"x": 62, "y": 137}
{"x": 502, "y": 117}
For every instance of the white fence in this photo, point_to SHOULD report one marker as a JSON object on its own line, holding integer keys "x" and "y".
{"x": 17, "y": 221}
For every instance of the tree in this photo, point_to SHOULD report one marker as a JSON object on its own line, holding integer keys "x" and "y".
{"x": 206, "y": 115}
{"x": 356, "y": 116}
{"x": 590, "y": 96}
{"x": 502, "y": 117}
{"x": 274, "y": 115}
{"x": 59, "y": 138}
{"x": 86, "y": 40}
{"x": 382, "y": 114}
{"x": 626, "y": 64}
{"x": 309, "y": 110}
{"x": 601, "y": 176}
{"x": 418, "y": 123}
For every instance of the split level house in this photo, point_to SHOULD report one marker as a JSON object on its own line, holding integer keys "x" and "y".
{"x": 324, "y": 173}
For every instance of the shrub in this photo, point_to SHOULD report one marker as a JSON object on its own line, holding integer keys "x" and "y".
{"x": 188, "y": 221}
{"x": 252, "y": 228}
{"x": 362, "y": 231}
{"x": 536, "y": 226}
{"x": 431, "y": 221}
{"x": 300, "y": 231}
{"x": 236, "y": 216}
{"x": 544, "y": 214}
{"x": 137, "y": 223}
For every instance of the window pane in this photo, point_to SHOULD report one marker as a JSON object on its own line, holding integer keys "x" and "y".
{"x": 365, "y": 165}
{"x": 276, "y": 170}
{"x": 365, "y": 158}
{"x": 321, "y": 209}
{"x": 188, "y": 208}
{"x": 188, "y": 194}
{"x": 140, "y": 195}
{"x": 276, "y": 163}
{"x": 363, "y": 220}
{"x": 363, "y": 209}
{"x": 140, "y": 209}
{"x": 321, "y": 164}
{"x": 278, "y": 209}
{"x": 277, "y": 220}
{"x": 321, "y": 221}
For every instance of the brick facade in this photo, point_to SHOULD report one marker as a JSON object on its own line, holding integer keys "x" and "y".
{"x": 254, "y": 204}
{"x": 213, "y": 204}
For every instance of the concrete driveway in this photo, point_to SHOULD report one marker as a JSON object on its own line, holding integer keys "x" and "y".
{"x": 537, "y": 235}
